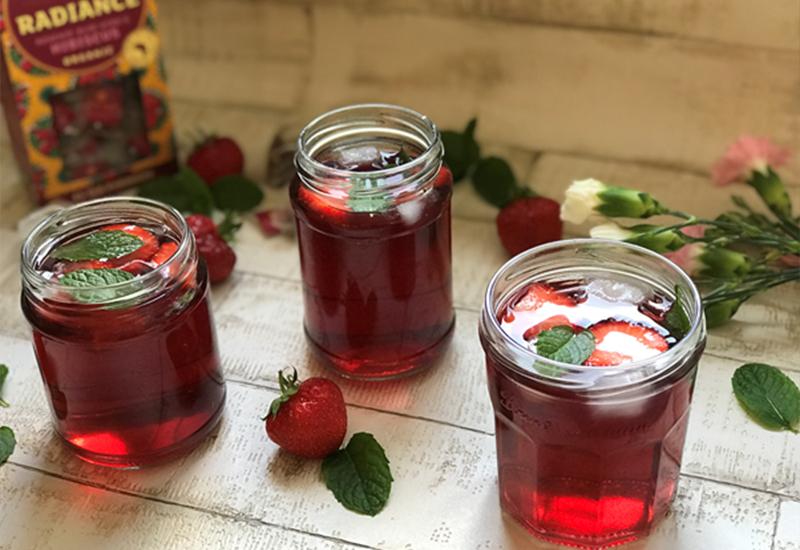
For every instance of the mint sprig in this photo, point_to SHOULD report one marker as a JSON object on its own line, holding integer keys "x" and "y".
{"x": 86, "y": 284}
{"x": 7, "y": 443}
{"x": 99, "y": 245}
{"x": 7, "y": 439}
{"x": 461, "y": 151}
{"x": 562, "y": 344}
{"x": 3, "y": 376}
{"x": 676, "y": 321}
{"x": 184, "y": 191}
{"x": 768, "y": 396}
{"x": 236, "y": 193}
{"x": 359, "y": 475}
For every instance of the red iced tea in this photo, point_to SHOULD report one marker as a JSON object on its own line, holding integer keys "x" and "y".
{"x": 589, "y": 455}
{"x": 129, "y": 360}
{"x": 373, "y": 219}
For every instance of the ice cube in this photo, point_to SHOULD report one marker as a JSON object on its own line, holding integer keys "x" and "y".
{"x": 616, "y": 291}
{"x": 358, "y": 156}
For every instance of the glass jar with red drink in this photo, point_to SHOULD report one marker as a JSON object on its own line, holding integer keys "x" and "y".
{"x": 122, "y": 330}
{"x": 589, "y": 455}
{"x": 372, "y": 201}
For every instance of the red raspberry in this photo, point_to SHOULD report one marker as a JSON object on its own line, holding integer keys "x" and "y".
{"x": 218, "y": 255}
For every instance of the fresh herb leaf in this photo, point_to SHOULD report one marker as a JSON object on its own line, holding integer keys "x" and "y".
{"x": 562, "y": 344}
{"x": 99, "y": 245}
{"x": 236, "y": 193}
{"x": 676, "y": 320}
{"x": 359, "y": 475}
{"x": 461, "y": 151}
{"x": 768, "y": 396}
{"x": 495, "y": 182}
{"x": 7, "y": 443}
{"x": 3, "y": 376}
{"x": 402, "y": 157}
{"x": 185, "y": 191}
{"x": 365, "y": 196}
{"x": 85, "y": 283}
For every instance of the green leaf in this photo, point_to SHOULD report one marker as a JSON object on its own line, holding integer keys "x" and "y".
{"x": 495, "y": 182}
{"x": 3, "y": 375}
{"x": 562, "y": 344}
{"x": 99, "y": 245}
{"x": 676, "y": 320}
{"x": 359, "y": 475}
{"x": 236, "y": 193}
{"x": 7, "y": 443}
{"x": 365, "y": 196}
{"x": 85, "y": 283}
{"x": 461, "y": 151}
{"x": 770, "y": 397}
{"x": 185, "y": 191}
{"x": 229, "y": 226}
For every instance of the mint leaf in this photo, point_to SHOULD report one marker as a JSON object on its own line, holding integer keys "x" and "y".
{"x": 461, "y": 151}
{"x": 3, "y": 375}
{"x": 7, "y": 443}
{"x": 99, "y": 245}
{"x": 495, "y": 182}
{"x": 359, "y": 475}
{"x": 85, "y": 283}
{"x": 185, "y": 191}
{"x": 562, "y": 344}
{"x": 676, "y": 321}
{"x": 236, "y": 193}
{"x": 768, "y": 396}
{"x": 365, "y": 196}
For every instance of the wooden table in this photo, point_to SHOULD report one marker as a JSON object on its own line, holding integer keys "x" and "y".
{"x": 740, "y": 484}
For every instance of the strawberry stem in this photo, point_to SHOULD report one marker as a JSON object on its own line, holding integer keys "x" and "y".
{"x": 288, "y": 386}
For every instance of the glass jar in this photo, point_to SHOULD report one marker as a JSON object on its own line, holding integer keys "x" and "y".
{"x": 131, "y": 369}
{"x": 372, "y": 202}
{"x": 589, "y": 456}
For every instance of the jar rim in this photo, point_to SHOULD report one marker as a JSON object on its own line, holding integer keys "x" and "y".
{"x": 307, "y": 161}
{"x": 670, "y": 357}
{"x": 31, "y": 277}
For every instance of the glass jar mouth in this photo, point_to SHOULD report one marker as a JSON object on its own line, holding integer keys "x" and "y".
{"x": 38, "y": 244}
{"x": 363, "y": 119}
{"x": 590, "y": 374}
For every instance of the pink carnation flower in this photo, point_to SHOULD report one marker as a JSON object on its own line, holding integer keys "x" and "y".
{"x": 694, "y": 231}
{"x": 746, "y": 155}
{"x": 687, "y": 257}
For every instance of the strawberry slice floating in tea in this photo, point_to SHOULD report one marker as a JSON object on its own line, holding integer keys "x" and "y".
{"x": 618, "y": 342}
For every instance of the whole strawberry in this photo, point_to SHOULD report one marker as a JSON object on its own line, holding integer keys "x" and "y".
{"x": 308, "y": 419}
{"x": 216, "y": 157}
{"x": 218, "y": 255}
{"x": 528, "y": 221}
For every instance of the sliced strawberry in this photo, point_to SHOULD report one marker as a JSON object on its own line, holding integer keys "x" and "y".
{"x": 547, "y": 324}
{"x": 137, "y": 267}
{"x": 164, "y": 253}
{"x": 647, "y": 337}
{"x": 144, "y": 252}
{"x": 539, "y": 294}
{"x": 600, "y": 358}
{"x": 87, "y": 264}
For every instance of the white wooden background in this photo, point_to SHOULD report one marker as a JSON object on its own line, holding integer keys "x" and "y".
{"x": 640, "y": 92}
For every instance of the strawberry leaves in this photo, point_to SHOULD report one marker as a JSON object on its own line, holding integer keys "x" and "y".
{"x": 359, "y": 475}
{"x": 98, "y": 246}
{"x": 562, "y": 344}
{"x": 288, "y": 386}
{"x": 495, "y": 182}
{"x": 768, "y": 396}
